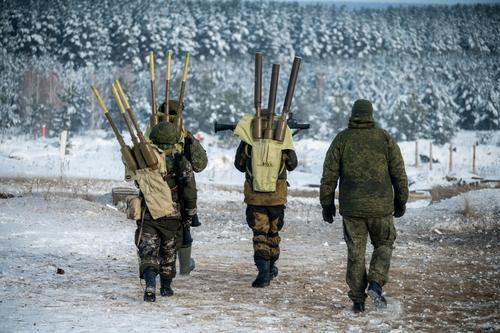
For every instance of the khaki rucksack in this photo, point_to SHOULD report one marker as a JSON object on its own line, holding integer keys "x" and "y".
{"x": 154, "y": 188}
{"x": 266, "y": 155}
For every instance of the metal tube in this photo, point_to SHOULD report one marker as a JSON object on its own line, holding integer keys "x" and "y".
{"x": 257, "y": 121}
{"x": 281, "y": 128}
{"x": 268, "y": 133}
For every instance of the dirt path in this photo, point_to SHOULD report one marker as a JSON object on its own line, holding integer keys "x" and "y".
{"x": 438, "y": 282}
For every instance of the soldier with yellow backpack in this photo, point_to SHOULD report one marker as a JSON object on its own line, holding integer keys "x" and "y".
{"x": 166, "y": 204}
{"x": 265, "y": 154}
{"x": 194, "y": 156}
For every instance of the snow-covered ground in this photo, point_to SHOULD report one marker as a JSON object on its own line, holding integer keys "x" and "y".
{"x": 445, "y": 265}
{"x": 441, "y": 278}
{"x": 97, "y": 156}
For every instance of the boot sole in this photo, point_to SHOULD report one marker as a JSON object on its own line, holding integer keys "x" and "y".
{"x": 377, "y": 299}
{"x": 149, "y": 297}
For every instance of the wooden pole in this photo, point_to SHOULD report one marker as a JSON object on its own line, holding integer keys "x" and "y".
{"x": 416, "y": 153}
{"x": 450, "y": 159}
{"x": 430, "y": 155}
{"x": 474, "y": 159}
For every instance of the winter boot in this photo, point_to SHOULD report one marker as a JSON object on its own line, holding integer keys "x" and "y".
{"x": 149, "y": 291}
{"x": 165, "y": 288}
{"x": 358, "y": 307}
{"x": 263, "y": 277}
{"x": 195, "y": 222}
{"x": 273, "y": 269}
{"x": 375, "y": 292}
{"x": 186, "y": 263}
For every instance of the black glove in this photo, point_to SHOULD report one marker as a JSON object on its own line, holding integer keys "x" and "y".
{"x": 399, "y": 209}
{"x": 328, "y": 213}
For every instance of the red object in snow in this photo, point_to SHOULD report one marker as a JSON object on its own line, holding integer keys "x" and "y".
{"x": 43, "y": 131}
{"x": 199, "y": 137}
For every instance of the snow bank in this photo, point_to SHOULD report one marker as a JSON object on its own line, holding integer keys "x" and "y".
{"x": 483, "y": 212}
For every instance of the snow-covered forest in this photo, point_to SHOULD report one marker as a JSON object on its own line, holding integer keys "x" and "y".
{"x": 429, "y": 70}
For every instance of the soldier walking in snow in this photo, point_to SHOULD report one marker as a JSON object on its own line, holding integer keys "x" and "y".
{"x": 185, "y": 146}
{"x": 373, "y": 188}
{"x": 196, "y": 155}
{"x": 265, "y": 211}
{"x": 265, "y": 154}
{"x": 159, "y": 239}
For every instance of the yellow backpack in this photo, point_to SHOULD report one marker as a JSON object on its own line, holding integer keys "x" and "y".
{"x": 156, "y": 192}
{"x": 266, "y": 155}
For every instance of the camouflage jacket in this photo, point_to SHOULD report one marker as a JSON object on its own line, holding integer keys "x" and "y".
{"x": 195, "y": 153}
{"x": 371, "y": 170}
{"x": 243, "y": 163}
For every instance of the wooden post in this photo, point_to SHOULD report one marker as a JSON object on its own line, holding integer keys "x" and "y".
{"x": 450, "y": 159}
{"x": 416, "y": 153}
{"x": 474, "y": 159}
{"x": 430, "y": 155}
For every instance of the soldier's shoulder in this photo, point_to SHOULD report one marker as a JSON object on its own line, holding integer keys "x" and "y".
{"x": 341, "y": 137}
{"x": 384, "y": 133}
{"x": 342, "y": 134}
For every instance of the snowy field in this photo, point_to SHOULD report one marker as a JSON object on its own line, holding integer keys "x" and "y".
{"x": 444, "y": 271}
{"x": 97, "y": 156}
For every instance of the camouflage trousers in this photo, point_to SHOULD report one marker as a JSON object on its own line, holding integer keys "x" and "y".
{"x": 266, "y": 222}
{"x": 382, "y": 235}
{"x": 158, "y": 244}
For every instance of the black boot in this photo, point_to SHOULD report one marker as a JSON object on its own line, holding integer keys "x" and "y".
{"x": 273, "y": 269}
{"x": 375, "y": 292}
{"x": 165, "y": 288}
{"x": 358, "y": 307}
{"x": 149, "y": 291}
{"x": 263, "y": 277}
{"x": 195, "y": 222}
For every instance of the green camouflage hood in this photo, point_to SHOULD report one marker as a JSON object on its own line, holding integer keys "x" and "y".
{"x": 362, "y": 114}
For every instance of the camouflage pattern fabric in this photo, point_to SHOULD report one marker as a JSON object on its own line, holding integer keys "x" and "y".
{"x": 370, "y": 167}
{"x": 189, "y": 190}
{"x": 266, "y": 222}
{"x": 279, "y": 197}
{"x": 163, "y": 133}
{"x": 195, "y": 153}
{"x": 158, "y": 245}
{"x": 382, "y": 235}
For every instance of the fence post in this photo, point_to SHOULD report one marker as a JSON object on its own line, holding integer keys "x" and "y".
{"x": 62, "y": 150}
{"x": 430, "y": 155}
{"x": 474, "y": 159}
{"x": 416, "y": 153}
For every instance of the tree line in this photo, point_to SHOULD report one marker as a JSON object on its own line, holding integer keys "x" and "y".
{"x": 429, "y": 69}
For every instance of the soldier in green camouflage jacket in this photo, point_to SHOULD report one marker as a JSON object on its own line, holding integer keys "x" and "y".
{"x": 373, "y": 188}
